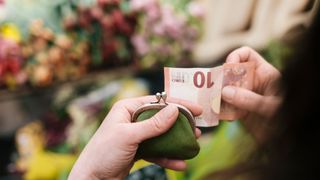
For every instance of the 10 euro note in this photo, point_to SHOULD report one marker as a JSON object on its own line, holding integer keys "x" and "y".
{"x": 199, "y": 85}
{"x": 204, "y": 85}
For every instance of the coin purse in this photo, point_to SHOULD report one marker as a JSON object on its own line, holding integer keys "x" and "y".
{"x": 179, "y": 142}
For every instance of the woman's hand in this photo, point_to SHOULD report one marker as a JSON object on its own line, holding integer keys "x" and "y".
{"x": 264, "y": 99}
{"x": 110, "y": 152}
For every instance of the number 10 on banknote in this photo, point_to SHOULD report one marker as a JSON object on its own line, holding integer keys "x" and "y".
{"x": 203, "y": 86}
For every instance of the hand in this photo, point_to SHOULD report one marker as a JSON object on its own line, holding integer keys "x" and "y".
{"x": 110, "y": 152}
{"x": 264, "y": 99}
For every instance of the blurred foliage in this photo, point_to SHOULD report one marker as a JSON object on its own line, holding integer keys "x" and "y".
{"x": 22, "y": 12}
{"x": 276, "y": 53}
{"x": 224, "y": 148}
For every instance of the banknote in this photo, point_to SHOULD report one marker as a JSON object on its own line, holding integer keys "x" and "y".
{"x": 199, "y": 85}
{"x": 240, "y": 75}
{"x": 204, "y": 85}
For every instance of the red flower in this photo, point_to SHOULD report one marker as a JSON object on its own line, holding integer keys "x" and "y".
{"x": 96, "y": 12}
{"x": 109, "y": 48}
{"x": 84, "y": 17}
{"x": 120, "y": 22}
{"x": 106, "y": 22}
{"x": 108, "y": 2}
{"x": 14, "y": 66}
{"x": 10, "y": 61}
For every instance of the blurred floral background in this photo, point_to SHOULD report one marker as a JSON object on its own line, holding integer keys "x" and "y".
{"x": 83, "y": 38}
{"x": 63, "y": 64}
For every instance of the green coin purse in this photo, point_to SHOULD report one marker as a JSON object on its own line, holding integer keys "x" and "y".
{"x": 179, "y": 142}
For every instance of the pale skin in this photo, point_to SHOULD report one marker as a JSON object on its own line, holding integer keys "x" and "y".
{"x": 110, "y": 153}
{"x": 262, "y": 101}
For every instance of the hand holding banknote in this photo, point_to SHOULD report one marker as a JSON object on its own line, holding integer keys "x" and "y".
{"x": 262, "y": 101}
{"x": 204, "y": 85}
{"x": 246, "y": 82}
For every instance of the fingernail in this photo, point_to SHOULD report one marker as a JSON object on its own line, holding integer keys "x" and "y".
{"x": 228, "y": 93}
{"x": 170, "y": 110}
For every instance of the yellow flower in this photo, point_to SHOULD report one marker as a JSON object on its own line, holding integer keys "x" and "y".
{"x": 10, "y": 31}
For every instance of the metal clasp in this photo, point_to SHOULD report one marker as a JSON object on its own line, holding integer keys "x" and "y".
{"x": 158, "y": 105}
{"x": 160, "y": 96}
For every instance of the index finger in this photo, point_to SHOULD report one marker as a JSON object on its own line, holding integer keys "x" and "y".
{"x": 245, "y": 54}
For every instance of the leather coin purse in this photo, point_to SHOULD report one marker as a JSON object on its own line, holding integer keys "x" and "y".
{"x": 179, "y": 142}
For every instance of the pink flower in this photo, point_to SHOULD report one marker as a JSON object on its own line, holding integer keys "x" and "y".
{"x": 153, "y": 10}
{"x": 195, "y": 9}
{"x": 159, "y": 29}
{"x": 96, "y": 12}
{"x": 21, "y": 77}
{"x": 172, "y": 23}
{"x": 163, "y": 49}
{"x": 8, "y": 49}
{"x": 138, "y": 5}
{"x": 140, "y": 44}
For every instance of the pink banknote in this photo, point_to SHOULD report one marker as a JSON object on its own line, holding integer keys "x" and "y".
{"x": 203, "y": 86}
{"x": 199, "y": 85}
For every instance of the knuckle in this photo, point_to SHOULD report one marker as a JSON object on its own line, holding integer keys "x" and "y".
{"x": 246, "y": 48}
{"x": 156, "y": 123}
{"x": 243, "y": 100}
{"x": 119, "y": 103}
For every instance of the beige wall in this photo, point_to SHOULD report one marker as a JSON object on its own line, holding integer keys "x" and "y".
{"x": 232, "y": 23}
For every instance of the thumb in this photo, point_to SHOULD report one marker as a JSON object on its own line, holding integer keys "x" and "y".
{"x": 157, "y": 124}
{"x": 245, "y": 99}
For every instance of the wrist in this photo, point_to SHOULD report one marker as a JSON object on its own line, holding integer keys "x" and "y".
{"x": 76, "y": 174}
